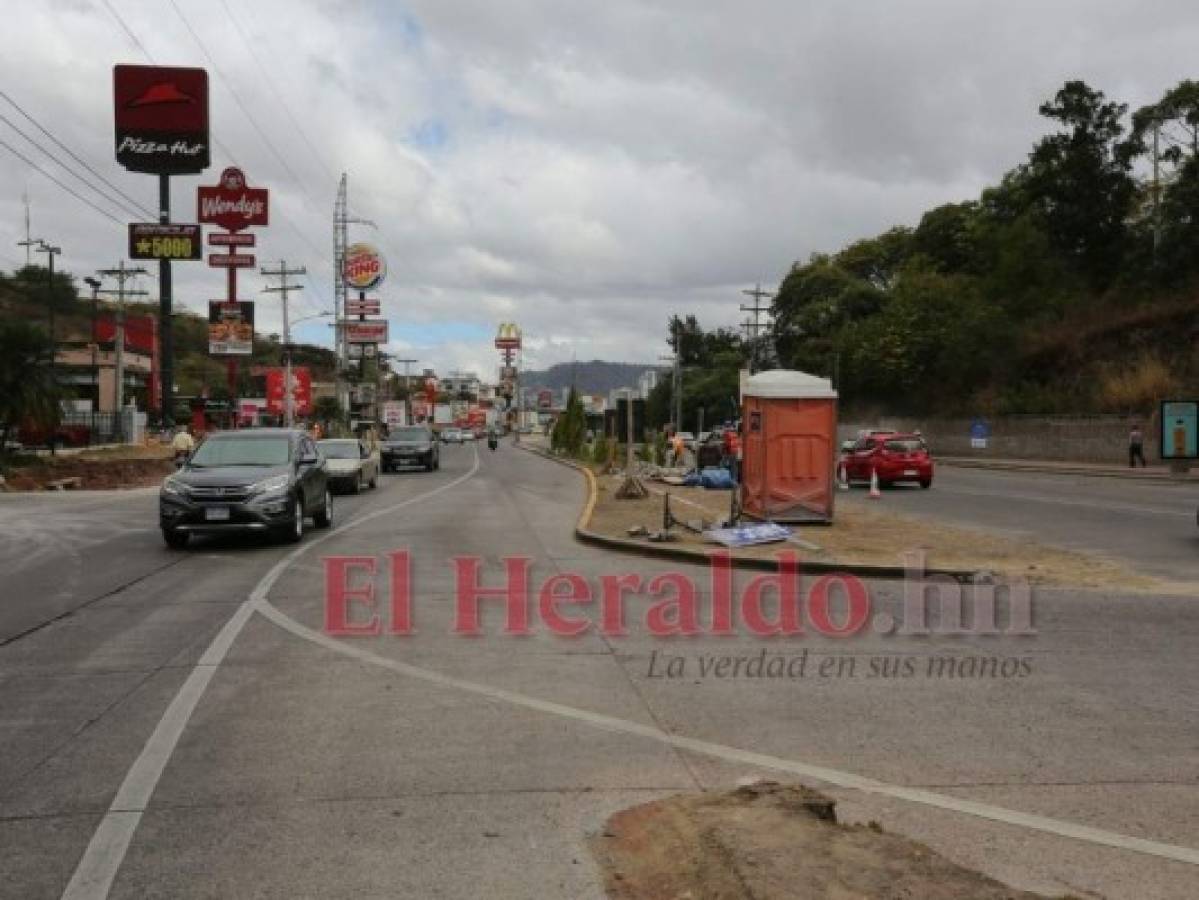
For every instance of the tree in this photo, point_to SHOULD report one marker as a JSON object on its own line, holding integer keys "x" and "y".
{"x": 28, "y": 392}
{"x": 1080, "y": 179}
{"x": 570, "y": 431}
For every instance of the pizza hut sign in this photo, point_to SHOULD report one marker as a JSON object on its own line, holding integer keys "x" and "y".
{"x": 161, "y": 119}
{"x": 231, "y": 204}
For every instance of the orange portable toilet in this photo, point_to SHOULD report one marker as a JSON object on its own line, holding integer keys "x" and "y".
{"x": 789, "y": 426}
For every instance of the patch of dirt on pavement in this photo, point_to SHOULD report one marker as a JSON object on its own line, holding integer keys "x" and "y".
{"x": 768, "y": 841}
{"x": 874, "y": 536}
{"x": 97, "y": 470}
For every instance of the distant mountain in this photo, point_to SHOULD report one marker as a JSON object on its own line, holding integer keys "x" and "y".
{"x": 595, "y": 377}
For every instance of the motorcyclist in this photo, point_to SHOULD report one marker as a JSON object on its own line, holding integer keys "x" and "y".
{"x": 493, "y": 437}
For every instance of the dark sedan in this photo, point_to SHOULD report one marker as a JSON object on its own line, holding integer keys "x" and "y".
{"x": 412, "y": 445}
{"x": 259, "y": 480}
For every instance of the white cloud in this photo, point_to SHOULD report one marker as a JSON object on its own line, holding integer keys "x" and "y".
{"x": 584, "y": 169}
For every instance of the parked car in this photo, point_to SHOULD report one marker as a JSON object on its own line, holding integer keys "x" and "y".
{"x": 451, "y": 436}
{"x": 264, "y": 480}
{"x": 466, "y": 434}
{"x": 411, "y": 445}
{"x": 65, "y": 434}
{"x": 895, "y": 456}
{"x": 351, "y": 464}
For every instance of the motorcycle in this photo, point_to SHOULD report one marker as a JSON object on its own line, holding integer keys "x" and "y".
{"x": 492, "y": 442}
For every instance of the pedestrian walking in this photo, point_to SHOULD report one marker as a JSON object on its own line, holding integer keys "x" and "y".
{"x": 1136, "y": 447}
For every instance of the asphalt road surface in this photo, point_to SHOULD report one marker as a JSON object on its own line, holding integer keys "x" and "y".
{"x": 1151, "y": 525}
{"x": 181, "y": 725}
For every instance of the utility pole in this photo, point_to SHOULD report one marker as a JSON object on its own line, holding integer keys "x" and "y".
{"x": 676, "y": 390}
{"x": 341, "y": 222}
{"x": 29, "y": 243}
{"x": 121, "y": 274}
{"x": 407, "y": 388}
{"x": 282, "y": 273}
{"x": 1157, "y": 204}
{"x": 94, "y": 284}
{"x": 51, "y": 252}
{"x": 757, "y": 309}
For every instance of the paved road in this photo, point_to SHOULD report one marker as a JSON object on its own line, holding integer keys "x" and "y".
{"x": 156, "y": 729}
{"x": 1151, "y": 525}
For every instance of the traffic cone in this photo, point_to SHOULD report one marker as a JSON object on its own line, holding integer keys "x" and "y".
{"x": 842, "y": 477}
{"x": 875, "y": 492}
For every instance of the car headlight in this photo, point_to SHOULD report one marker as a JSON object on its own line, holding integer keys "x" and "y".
{"x": 275, "y": 485}
{"x": 171, "y": 485}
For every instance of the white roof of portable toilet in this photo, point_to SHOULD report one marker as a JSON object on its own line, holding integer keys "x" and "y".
{"x": 789, "y": 384}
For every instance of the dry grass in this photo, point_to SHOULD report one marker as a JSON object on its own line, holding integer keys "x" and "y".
{"x": 1136, "y": 388}
{"x": 875, "y": 536}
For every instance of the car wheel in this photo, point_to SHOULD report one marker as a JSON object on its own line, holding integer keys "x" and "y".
{"x": 324, "y": 517}
{"x": 358, "y": 484}
{"x": 375, "y": 479}
{"x": 295, "y": 529}
{"x": 926, "y": 483}
{"x": 174, "y": 538}
{"x": 437, "y": 461}
{"x": 429, "y": 465}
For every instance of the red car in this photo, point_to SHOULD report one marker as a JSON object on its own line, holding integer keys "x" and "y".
{"x": 894, "y": 455}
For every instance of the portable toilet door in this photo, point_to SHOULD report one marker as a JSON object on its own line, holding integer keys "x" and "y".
{"x": 789, "y": 428}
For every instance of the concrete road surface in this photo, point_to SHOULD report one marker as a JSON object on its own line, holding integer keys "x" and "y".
{"x": 181, "y": 724}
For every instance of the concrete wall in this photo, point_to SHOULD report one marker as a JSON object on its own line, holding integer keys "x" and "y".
{"x": 1093, "y": 439}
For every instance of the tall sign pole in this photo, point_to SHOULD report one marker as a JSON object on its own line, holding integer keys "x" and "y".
{"x": 161, "y": 129}
{"x": 283, "y": 273}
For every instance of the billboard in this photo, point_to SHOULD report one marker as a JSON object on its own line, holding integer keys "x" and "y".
{"x": 230, "y": 327}
{"x": 364, "y": 267}
{"x": 420, "y": 409}
{"x": 366, "y": 332}
{"x": 231, "y": 204}
{"x": 393, "y": 413}
{"x": 160, "y": 240}
{"x": 1180, "y": 429}
{"x": 545, "y": 399}
{"x": 277, "y": 387}
{"x": 508, "y": 337}
{"x": 161, "y": 119}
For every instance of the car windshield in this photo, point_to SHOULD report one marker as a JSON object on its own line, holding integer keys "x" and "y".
{"x": 340, "y": 449}
{"x": 242, "y": 451}
{"x": 905, "y": 445}
{"x": 408, "y": 434}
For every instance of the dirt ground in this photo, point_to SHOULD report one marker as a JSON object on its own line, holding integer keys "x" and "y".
{"x": 771, "y": 842}
{"x": 874, "y": 537}
{"x": 107, "y": 468}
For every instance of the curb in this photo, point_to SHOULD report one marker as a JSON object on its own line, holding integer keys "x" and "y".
{"x": 1065, "y": 469}
{"x": 700, "y": 557}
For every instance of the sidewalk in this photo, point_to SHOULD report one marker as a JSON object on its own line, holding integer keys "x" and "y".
{"x": 1057, "y": 467}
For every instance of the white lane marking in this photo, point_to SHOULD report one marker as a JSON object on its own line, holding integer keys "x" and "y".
{"x": 1062, "y": 501}
{"x": 745, "y": 757}
{"x": 106, "y": 851}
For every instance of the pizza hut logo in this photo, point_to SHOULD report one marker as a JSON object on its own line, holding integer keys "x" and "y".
{"x": 161, "y": 119}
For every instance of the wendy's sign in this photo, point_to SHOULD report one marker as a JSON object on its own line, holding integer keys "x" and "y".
{"x": 161, "y": 119}
{"x": 231, "y": 204}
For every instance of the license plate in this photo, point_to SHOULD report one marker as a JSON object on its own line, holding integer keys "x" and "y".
{"x": 217, "y": 514}
{"x": 910, "y": 473}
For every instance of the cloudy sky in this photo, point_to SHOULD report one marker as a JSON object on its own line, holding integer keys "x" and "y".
{"x": 586, "y": 169}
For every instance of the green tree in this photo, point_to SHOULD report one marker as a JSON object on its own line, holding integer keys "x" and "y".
{"x": 570, "y": 430}
{"x": 28, "y": 392}
{"x": 1080, "y": 179}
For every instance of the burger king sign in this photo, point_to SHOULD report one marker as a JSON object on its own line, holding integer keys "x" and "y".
{"x": 364, "y": 268}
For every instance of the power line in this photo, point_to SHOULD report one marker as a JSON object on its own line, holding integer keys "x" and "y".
{"x": 270, "y": 82}
{"x": 89, "y": 185}
{"x": 128, "y": 31}
{"x": 72, "y": 154}
{"x": 17, "y": 153}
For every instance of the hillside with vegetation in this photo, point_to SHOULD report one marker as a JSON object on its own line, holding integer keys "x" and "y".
{"x": 1072, "y": 285}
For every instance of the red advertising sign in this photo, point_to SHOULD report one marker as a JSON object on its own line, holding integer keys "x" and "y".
{"x": 366, "y": 332}
{"x": 231, "y": 260}
{"x": 161, "y": 119}
{"x": 364, "y": 267}
{"x": 301, "y": 390}
{"x": 219, "y": 239}
{"x": 231, "y": 204}
{"x": 363, "y": 307}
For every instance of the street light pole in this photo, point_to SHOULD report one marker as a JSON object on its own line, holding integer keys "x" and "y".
{"x": 282, "y": 274}
{"x": 51, "y": 252}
